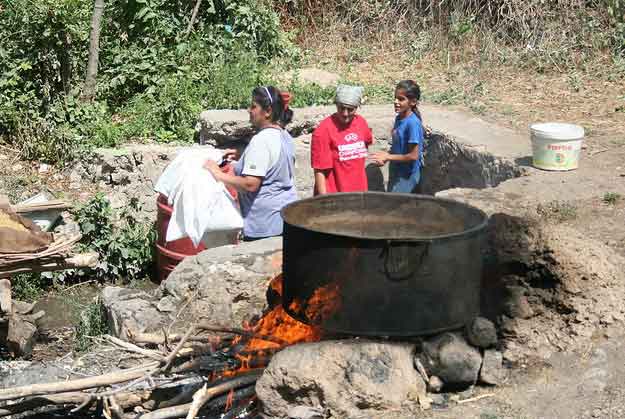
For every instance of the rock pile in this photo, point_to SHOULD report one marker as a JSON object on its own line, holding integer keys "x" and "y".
{"x": 362, "y": 378}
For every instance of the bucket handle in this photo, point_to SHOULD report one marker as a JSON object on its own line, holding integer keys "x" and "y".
{"x": 405, "y": 260}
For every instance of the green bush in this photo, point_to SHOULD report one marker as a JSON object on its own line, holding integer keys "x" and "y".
{"x": 125, "y": 249}
{"x": 28, "y": 287}
{"x": 153, "y": 78}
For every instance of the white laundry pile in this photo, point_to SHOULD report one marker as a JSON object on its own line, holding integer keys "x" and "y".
{"x": 201, "y": 205}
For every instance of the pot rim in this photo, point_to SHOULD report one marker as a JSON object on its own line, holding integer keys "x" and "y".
{"x": 434, "y": 238}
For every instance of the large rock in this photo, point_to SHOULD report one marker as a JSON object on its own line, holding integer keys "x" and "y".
{"x": 481, "y": 332}
{"x": 232, "y": 128}
{"x": 492, "y": 371}
{"x": 348, "y": 379}
{"x": 224, "y": 285}
{"x": 20, "y": 336}
{"x": 129, "y": 312}
{"x": 451, "y": 359}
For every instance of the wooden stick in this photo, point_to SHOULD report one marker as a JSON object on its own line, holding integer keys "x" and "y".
{"x": 134, "y": 348}
{"x": 87, "y": 260}
{"x": 246, "y": 333}
{"x": 476, "y": 398}
{"x": 54, "y": 247}
{"x": 170, "y": 358}
{"x": 154, "y": 339}
{"x": 5, "y": 296}
{"x": 41, "y": 206}
{"x": 74, "y": 385}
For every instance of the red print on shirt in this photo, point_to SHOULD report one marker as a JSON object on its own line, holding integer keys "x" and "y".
{"x": 342, "y": 150}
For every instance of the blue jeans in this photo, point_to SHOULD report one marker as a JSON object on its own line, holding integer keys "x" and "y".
{"x": 397, "y": 183}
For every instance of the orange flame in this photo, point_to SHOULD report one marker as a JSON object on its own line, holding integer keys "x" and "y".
{"x": 278, "y": 324}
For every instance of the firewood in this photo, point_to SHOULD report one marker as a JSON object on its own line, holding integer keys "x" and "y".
{"x": 185, "y": 409}
{"x": 9, "y": 267}
{"x": 134, "y": 348}
{"x": 75, "y": 385}
{"x": 124, "y": 400}
{"x": 5, "y": 296}
{"x": 156, "y": 339}
{"x": 41, "y": 206}
{"x": 205, "y": 394}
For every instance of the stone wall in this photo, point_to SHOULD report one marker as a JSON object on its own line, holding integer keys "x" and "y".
{"x": 450, "y": 164}
{"x": 125, "y": 173}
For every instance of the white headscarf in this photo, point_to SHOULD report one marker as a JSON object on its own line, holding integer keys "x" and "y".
{"x": 349, "y": 95}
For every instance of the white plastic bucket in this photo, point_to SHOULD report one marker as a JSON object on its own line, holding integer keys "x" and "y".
{"x": 556, "y": 146}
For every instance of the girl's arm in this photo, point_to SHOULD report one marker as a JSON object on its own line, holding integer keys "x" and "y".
{"x": 320, "y": 181}
{"x": 381, "y": 157}
{"x": 243, "y": 183}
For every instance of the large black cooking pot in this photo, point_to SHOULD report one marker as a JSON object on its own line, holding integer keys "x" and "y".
{"x": 396, "y": 264}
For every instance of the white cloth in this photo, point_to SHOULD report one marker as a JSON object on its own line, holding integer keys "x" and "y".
{"x": 262, "y": 153}
{"x": 200, "y": 203}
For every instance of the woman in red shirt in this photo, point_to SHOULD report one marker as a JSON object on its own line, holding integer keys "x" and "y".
{"x": 339, "y": 146}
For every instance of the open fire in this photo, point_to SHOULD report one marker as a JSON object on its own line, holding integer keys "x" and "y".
{"x": 276, "y": 329}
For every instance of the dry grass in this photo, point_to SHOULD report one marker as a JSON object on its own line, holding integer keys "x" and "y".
{"x": 514, "y": 61}
{"x": 482, "y": 76}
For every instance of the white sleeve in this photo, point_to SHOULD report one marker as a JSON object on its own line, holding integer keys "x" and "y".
{"x": 256, "y": 159}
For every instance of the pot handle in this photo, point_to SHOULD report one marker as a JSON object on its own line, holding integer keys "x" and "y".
{"x": 404, "y": 260}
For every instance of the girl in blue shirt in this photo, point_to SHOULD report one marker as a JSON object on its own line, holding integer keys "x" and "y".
{"x": 405, "y": 156}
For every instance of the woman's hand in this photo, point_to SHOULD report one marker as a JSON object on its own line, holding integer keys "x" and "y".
{"x": 380, "y": 157}
{"x": 230, "y": 154}
{"x": 214, "y": 169}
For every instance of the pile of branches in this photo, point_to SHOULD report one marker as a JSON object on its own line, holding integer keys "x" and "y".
{"x": 196, "y": 373}
{"x": 57, "y": 256}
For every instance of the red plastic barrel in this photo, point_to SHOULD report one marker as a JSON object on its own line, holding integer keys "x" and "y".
{"x": 169, "y": 254}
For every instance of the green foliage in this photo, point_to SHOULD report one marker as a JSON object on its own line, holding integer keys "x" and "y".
{"x": 92, "y": 323}
{"x": 28, "y": 287}
{"x": 125, "y": 250}
{"x": 153, "y": 78}
{"x": 612, "y": 198}
{"x": 616, "y": 11}
{"x": 43, "y": 47}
